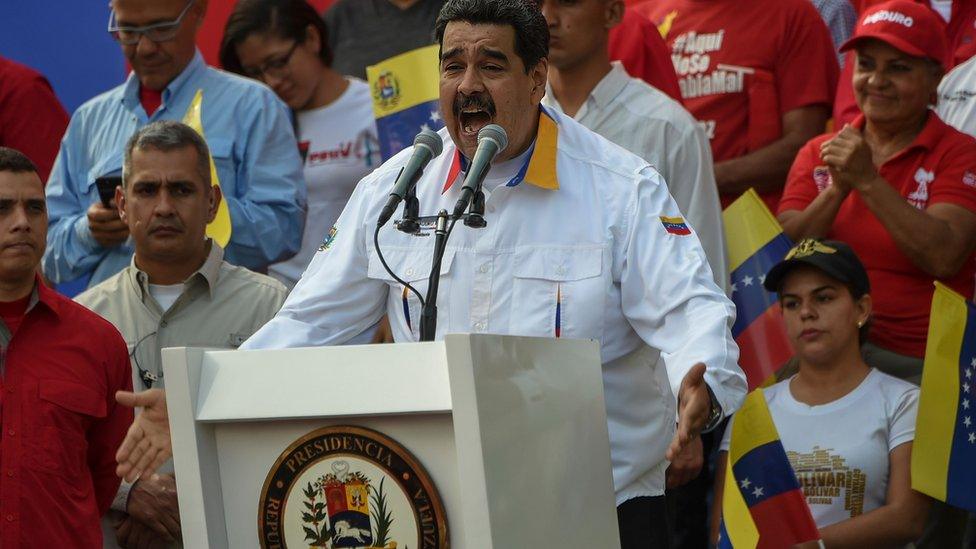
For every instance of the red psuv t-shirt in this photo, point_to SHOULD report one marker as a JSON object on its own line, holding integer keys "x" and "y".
{"x": 742, "y": 64}
{"x": 938, "y": 167}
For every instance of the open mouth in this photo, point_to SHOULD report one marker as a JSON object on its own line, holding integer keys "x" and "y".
{"x": 473, "y": 113}
{"x": 472, "y": 121}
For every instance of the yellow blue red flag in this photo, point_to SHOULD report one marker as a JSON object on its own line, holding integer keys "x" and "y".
{"x": 405, "y": 92}
{"x": 220, "y": 228}
{"x": 756, "y": 242}
{"x": 762, "y": 504}
{"x": 944, "y": 453}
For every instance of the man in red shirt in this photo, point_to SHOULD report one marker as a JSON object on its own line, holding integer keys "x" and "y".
{"x": 60, "y": 366}
{"x": 32, "y": 119}
{"x": 759, "y": 75}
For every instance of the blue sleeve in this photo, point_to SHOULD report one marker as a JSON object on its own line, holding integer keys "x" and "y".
{"x": 267, "y": 208}
{"x": 71, "y": 249}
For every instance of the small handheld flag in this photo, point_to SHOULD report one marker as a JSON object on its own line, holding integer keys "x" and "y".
{"x": 220, "y": 228}
{"x": 405, "y": 97}
{"x": 944, "y": 453}
{"x": 756, "y": 243}
{"x": 762, "y": 504}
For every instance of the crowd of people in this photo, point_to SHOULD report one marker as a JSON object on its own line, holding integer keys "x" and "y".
{"x": 631, "y": 125}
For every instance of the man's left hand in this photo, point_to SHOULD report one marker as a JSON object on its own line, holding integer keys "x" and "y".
{"x": 694, "y": 407}
{"x": 688, "y": 464}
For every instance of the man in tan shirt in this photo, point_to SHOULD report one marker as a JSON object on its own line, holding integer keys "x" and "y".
{"x": 178, "y": 291}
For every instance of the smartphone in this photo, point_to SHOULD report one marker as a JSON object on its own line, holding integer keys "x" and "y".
{"x": 106, "y": 188}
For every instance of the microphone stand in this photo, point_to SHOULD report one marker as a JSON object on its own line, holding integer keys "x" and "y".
{"x": 428, "y": 318}
{"x": 411, "y": 210}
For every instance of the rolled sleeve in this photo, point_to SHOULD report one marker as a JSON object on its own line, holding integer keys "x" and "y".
{"x": 671, "y": 300}
{"x": 267, "y": 205}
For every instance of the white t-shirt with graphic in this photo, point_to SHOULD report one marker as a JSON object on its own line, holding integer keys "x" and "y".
{"x": 340, "y": 147}
{"x": 839, "y": 450}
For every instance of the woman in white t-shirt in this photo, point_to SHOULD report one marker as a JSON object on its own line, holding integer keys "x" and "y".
{"x": 847, "y": 428}
{"x": 284, "y": 43}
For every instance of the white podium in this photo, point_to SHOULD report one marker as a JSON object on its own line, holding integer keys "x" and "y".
{"x": 511, "y": 432}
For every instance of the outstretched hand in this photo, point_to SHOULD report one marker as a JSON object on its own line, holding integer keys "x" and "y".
{"x": 694, "y": 407}
{"x": 147, "y": 445}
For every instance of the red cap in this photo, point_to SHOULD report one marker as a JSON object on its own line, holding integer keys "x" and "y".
{"x": 908, "y": 26}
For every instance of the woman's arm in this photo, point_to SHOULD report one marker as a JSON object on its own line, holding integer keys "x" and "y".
{"x": 814, "y": 221}
{"x": 899, "y": 521}
{"x": 937, "y": 240}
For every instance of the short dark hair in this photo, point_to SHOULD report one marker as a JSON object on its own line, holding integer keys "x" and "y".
{"x": 12, "y": 160}
{"x": 531, "y": 29}
{"x": 288, "y": 19}
{"x": 167, "y": 135}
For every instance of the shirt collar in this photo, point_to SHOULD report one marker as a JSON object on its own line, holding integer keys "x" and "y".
{"x": 927, "y": 139}
{"x": 130, "y": 96}
{"x": 539, "y": 169}
{"x": 611, "y": 86}
{"x": 208, "y": 273}
{"x": 45, "y": 296}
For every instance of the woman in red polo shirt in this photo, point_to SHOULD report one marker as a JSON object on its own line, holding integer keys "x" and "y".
{"x": 897, "y": 184}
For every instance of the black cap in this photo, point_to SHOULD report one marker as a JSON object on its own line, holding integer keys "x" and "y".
{"x": 835, "y": 258}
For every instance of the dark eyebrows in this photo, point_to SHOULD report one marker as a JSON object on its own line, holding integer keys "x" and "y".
{"x": 812, "y": 292}
{"x": 36, "y": 203}
{"x": 491, "y": 53}
{"x": 28, "y": 202}
{"x": 450, "y": 53}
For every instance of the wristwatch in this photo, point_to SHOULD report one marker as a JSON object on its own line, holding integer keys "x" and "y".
{"x": 715, "y": 415}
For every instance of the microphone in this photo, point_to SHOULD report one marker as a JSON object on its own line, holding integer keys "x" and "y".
{"x": 492, "y": 140}
{"x": 426, "y": 146}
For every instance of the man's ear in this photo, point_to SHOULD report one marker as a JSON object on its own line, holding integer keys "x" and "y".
{"x": 539, "y": 74}
{"x": 201, "y": 8}
{"x": 215, "y": 198}
{"x": 120, "y": 203}
{"x": 614, "y": 13}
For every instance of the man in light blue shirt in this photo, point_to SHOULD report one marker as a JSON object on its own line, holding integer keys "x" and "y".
{"x": 247, "y": 128}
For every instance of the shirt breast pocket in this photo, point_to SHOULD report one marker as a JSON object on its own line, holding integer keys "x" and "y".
{"x": 63, "y": 415}
{"x": 403, "y": 306}
{"x": 559, "y": 291}
{"x": 222, "y": 152}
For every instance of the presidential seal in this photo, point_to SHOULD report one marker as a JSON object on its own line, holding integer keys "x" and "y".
{"x": 350, "y": 487}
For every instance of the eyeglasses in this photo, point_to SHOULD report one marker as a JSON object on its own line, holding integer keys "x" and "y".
{"x": 148, "y": 378}
{"x": 157, "y": 32}
{"x": 276, "y": 67}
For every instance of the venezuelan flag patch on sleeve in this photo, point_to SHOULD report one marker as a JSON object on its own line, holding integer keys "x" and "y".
{"x": 675, "y": 225}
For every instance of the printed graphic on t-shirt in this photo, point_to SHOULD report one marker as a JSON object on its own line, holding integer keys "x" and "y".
{"x": 920, "y": 196}
{"x": 821, "y": 177}
{"x": 691, "y": 55}
{"x": 360, "y": 149}
{"x": 825, "y": 477}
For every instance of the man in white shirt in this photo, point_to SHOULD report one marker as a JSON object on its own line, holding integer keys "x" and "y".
{"x": 600, "y": 95}
{"x": 957, "y": 97}
{"x": 574, "y": 223}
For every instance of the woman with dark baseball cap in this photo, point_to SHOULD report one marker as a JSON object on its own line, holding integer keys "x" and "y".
{"x": 897, "y": 184}
{"x": 846, "y": 427}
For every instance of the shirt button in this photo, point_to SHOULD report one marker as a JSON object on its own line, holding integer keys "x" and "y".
{"x": 485, "y": 268}
{"x": 491, "y": 208}
{"x": 479, "y": 326}
{"x": 10, "y": 390}
{"x": 409, "y": 272}
{"x": 10, "y": 518}
{"x": 561, "y": 270}
{"x": 11, "y": 432}
{"x": 10, "y": 473}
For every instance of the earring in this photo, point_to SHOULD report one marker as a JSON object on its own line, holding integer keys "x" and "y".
{"x": 860, "y": 323}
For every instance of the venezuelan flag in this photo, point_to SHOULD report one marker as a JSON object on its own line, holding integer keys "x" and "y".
{"x": 756, "y": 243}
{"x": 405, "y": 97}
{"x": 944, "y": 453}
{"x": 762, "y": 504}
{"x": 220, "y": 228}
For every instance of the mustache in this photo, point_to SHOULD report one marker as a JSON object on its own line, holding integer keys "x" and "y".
{"x": 480, "y": 101}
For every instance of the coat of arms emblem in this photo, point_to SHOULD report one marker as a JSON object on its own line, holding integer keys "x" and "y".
{"x": 350, "y": 487}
